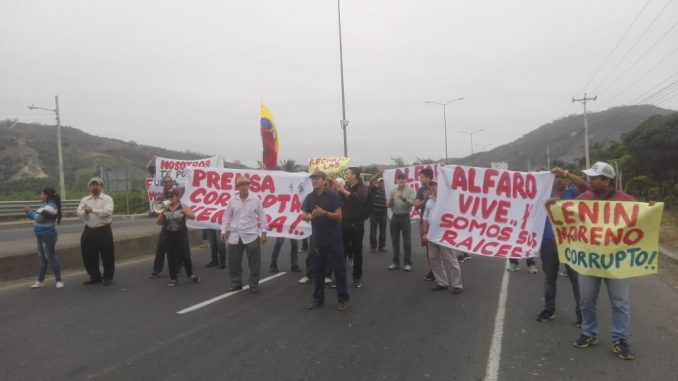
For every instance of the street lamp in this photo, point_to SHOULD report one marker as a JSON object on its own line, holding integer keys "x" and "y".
{"x": 62, "y": 186}
{"x": 445, "y": 119}
{"x": 471, "y": 134}
{"x": 343, "y": 121}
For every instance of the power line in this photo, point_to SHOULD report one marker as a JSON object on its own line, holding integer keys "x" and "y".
{"x": 640, "y": 58}
{"x": 633, "y": 46}
{"x": 663, "y": 89}
{"x": 670, "y": 97}
{"x": 635, "y": 101}
{"x": 643, "y": 75}
{"x": 667, "y": 96}
{"x": 615, "y": 47}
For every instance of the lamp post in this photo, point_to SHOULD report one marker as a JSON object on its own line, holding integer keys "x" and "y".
{"x": 471, "y": 134}
{"x": 62, "y": 186}
{"x": 343, "y": 121}
{"x": 445, "y": 119}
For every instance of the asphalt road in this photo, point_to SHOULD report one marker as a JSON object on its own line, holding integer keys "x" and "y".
{"x": 397, "y": 329}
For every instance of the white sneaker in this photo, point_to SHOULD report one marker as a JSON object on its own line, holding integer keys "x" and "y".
{"x": 328, "y": 280}
{"x": 407, "y": 268}
{"x": 393, "y": 267}
{"x": 513, "y": 267}
{"x": 305, "y": 280}
{"x": 38, "y": 284}
{"x": 532, "y": 269}
{"x": 59, "y": 284}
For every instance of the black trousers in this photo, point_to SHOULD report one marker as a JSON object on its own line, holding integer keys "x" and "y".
{"x": 377, "y": 221}
{"x": 160, "y": 251}
{"x": 178, "y": 252}
{"x": 95, "y": 242}
{"x": 353, "y": 232}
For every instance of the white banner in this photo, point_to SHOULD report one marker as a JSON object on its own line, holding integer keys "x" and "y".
{"x": 412, "y": 173}
{"x": 176, "y": 168}
{"x": 208, "y": 191}
{"x": 491, "y": 212}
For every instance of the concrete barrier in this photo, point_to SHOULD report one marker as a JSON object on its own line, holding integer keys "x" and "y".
{"x": 25, "y": 264}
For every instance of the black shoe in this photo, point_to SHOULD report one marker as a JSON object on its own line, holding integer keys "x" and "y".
{"x": 296, "y": 269}
{"x": 315, "y": 304}
{"x": 438, "y": 287}
{"x": 357, "y": 283}
{"x": 274, "y": 268}
{"x": 154, "y": 275}
{"x": 546, "y": 315}
{"x": 382, "y": 250}
{"x": 194, "y": 279}
{"x": 621, "y": 348}
{"x": 429, "y": 277}
{"x": 212, "y": 264}
{"x": 234, "y": 288}
{"x": 585, "y": 341}
{"x": 343, "y": 305}
{"x": 91, "y": 282}
{"x": 107, "y": 282}
{"x": 457, "y": 290}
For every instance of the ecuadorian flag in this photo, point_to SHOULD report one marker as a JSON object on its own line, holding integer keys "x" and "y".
{"x": 269, "y": 139}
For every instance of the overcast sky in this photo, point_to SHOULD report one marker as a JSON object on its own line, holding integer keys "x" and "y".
{"x": 189, "y": 75}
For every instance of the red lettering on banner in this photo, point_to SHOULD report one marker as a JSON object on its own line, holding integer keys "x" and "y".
{"x": 459, "y": 179}
{"x": 446, "y": 220}
{"x": 620, "y": 212}
{"x": 449, "y": 236}
{"x": 296, "y": 204}
{"x": 472, "y": 187}
{"x": 504, "y": 184}
{"x": 526, "y": 215}
{"x": 213, "y": 180}
{"x": 488, "y": 181}
{"x": 531, "y": 186}
{"x": 567, "y": 212}
{"x": 518, "y": 185}
{"x": 596, "y": 233}
{"x": 198, "y": 176}
{"x": 553, "y": 219}
{"x": 293, "y": 226}
{"x": 194, "y": 197}
{"x": 277, "y": 224}
{"x": 502, "y": 211}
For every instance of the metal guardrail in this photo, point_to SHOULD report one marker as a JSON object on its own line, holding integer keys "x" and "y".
{"x": 13, "y": 209}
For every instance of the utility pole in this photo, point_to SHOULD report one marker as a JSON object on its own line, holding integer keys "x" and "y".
{"x": 586, "y": 127}
{"x": 62, "y": 184}
{"x": 548, "y": 159}
{"x": 343, "y": 121}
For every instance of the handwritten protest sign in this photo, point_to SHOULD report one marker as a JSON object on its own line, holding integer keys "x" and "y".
{"x": 491, "y": 212}
{"x": 154, "y": 188}
{"x": 609, "y": 239}
{"x": 333, "y": 166}
{"x": 412, "y": 173}
{"x": 176, "y": 168}
{"x": 209, "y": 190}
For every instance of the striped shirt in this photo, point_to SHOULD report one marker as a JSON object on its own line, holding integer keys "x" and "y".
{"x": 45, "y": 218}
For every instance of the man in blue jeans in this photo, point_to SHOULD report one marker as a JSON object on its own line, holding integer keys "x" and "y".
{"x": 322, "y": 208}
{"x": 294, "y": 254}
{"x": 602, "y": 187}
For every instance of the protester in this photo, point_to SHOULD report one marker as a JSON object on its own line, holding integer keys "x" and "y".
{"x": 160, "y": 251}
{"x": 354, "y": 212}
{"x": 96, "y": 210}
{"x": 173, "y": 219}
{"x": 423, "y": 194}
{"x": 401, "y": 200}
{"x": 323, "y": 208}
{"x": 244, "y": 228}
{"x": 376, "y": 204}
{"x": 294, "y": 254}
{"x": 602, "y": 187}
{"x": 44, "y": 226}
{"x": 217, "y": 248}
{"x": 444, "y": 261}
{"x": 549, "y": 250}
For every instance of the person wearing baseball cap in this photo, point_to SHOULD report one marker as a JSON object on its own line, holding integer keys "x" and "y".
{"x": 244, "y": 227}
{"x": 602, "y": 186}
{"x": 96, "y": 210}
{"x": 401, "y": 200}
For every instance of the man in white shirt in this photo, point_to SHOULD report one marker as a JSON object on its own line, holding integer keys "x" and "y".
{"x": 96, "y": 210}
{"x": 244, "y": 227}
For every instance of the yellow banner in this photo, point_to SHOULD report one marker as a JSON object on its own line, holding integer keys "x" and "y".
{"x": 608, "y": 239}
{"x": 334, "y": 167}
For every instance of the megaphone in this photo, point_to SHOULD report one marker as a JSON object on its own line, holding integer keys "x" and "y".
{"x": 160, "y": 206}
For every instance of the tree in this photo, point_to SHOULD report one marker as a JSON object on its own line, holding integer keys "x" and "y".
{"x": 289, "y": 165}
{"x": 398, "y": 161}
{"x": 653, "y": 148}
{"x": 421, "y": 161}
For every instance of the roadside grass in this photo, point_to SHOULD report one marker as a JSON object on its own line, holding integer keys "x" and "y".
{"x": 668, "y": 231}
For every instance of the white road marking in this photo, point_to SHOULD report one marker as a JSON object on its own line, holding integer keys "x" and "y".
{"x": 224, "y": 296}
{"x": 494, "y": 357}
